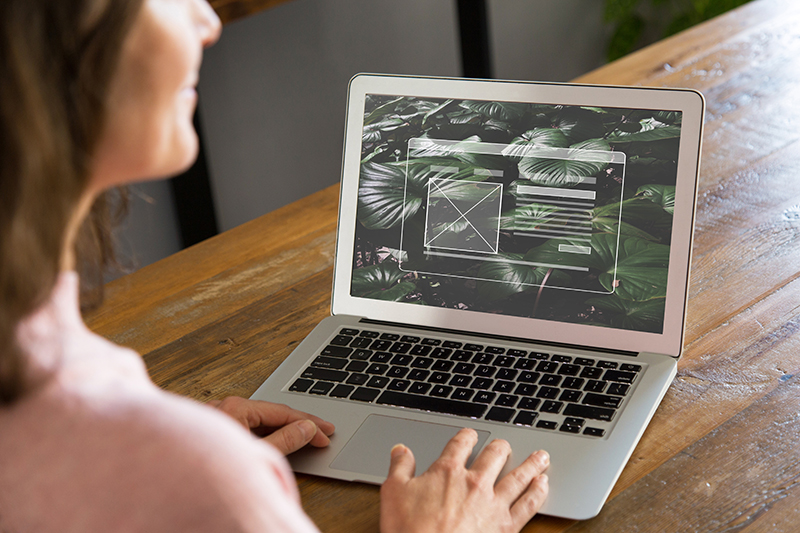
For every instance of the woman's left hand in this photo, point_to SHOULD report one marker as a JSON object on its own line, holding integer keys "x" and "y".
{"x": 285, "y": 428}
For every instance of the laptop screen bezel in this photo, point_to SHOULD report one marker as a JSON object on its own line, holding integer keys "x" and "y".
{"x": 687, "y": 101}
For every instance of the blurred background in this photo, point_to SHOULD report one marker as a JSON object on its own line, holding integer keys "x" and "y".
{"x": 273, "y": 90}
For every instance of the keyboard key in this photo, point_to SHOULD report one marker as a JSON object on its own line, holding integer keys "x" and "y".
{"x": 583, "y": 361}
{"x": 361, "y": 342}
{"x": 525, "y": 389}
{"x": 464, "y": 368}
{"x": 516, "y": 353}
{"x": 591, "y": 372}
{"x": 419, "y": 387}
{"x": 439, "y": 377}
{"x": 462, "y": 355}
{"x": 378, "y": 382}
{"x": 420, "y": 349}
{"x": 473, "y": 347}
{"x": 422, "y": 362}
{"x": 561, "y": 358}
{"x": 494, "y": 349}
{"x": 460, "y": 380}
{"x": 548, "y": 367}
{"x": 401, "y": 359}
{"x": 525, "y": 364}
{"x": 341, "y": 340}
{"x": 341, "y": 391}
{"x": 546, "y": 424}
{"x": 361, "y": 354}
{"x": 397, "y": 372}
{"x": 528, "y": 377}
{"x": 595, "y": 386}
{"x": 504, "y": 386}
{"x": 482, "y": 383}
{"x": 485, "y": 371}
{"x": 442, "y": 365}
{"x": 390, "y": 336}
{"x": 441, "y": 353}
{"x": 381, "y": 357}
{"x": 301, "y": 385}
{"x": 400, "y": 347}
{"x": 430, "y": 342}
{"x": 399, "y": 384}
{"x": 410, "y": 338}
{"x": 539, "y": 356}
{"x": 550, "y": 380}
{"x": 601, "y": 400}
{"x": 482, "y": 358}
{"x": 506, "y": 373}
{"x": 364, "y": 394}
{"x": 569, "y": 370}
{"x": 336, "y": 351}
{"x": 569, "y": 429}
{"x": 324, "y": 374}
{"x": 348, "y": 331}
{"x": 329, "y": 362}
{"x": 356, "y": 366}
{"x": 550, "y": 406}
{"x": 428, "y": 403}
{"x": 377, "y": 369}
{"x": 594, "y": 432}
{"x": 507, "y": 400}
{"x": 529, "y": 403}
{"x": 357, "y": 379}
{"x": 573, "y": 383}
{"x": 525, "y": 418}
{"x": 618, "y": 389}
{"x": 462, "y": 394}
{"x": 619, "y": 375}
{"x": 572, "y": 421}
{"x": 570, "y": 396}
{"x": 484, "y": 396}
{"x": 370, "y": 334}
{"x": 381, "y": 345}
{"x": 548, "y": 393}
{"x": 418, "y": 375}
{"x": 451, "y": 344}
{"x": 586, "y": 411}
{"x": 504, "y": 361}
{"x": 630, "y": 368}
{"x": 500, "y": 414}
{"x": 606, "y": 364}
{"x": 321, "y": 387}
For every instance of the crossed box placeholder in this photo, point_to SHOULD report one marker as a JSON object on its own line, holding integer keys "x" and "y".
{"x": 463, "y": 215}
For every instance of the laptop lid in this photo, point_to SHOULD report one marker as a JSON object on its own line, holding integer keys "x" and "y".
{"x": 552, "y": 212}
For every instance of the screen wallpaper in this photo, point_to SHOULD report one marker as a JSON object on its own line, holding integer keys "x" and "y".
{"x": 544, "y": 211}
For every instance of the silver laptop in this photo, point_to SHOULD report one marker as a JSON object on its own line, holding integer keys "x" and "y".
{"x": 512, "y": 257}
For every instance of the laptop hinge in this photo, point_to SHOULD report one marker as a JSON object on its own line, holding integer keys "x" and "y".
{"x": 500, "y": 337}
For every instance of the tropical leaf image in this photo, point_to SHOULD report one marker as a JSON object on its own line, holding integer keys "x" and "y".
{"x": 579, "y": 164}
{"x": 381, "y": 281}
{"x": 629, "y": 314}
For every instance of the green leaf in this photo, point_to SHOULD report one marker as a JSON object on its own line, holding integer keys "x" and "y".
{"x": 509, "y": 277}
{"x": 535, "y": 138}
{"x": 381, "y": 282}
{"x": 383, "y": 200}
{"x": 656, "y": 134}
{"x": 505, "y": 111}
{"x": 569, "y": 172}
{"x": 526, "y": 217}
{"x": 628, "y": 314}
{"x": 661, "y": 195}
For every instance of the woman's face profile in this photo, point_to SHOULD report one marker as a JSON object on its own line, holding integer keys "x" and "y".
{"x": 149, "y": 132}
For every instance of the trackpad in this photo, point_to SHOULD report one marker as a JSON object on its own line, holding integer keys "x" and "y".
{"x": 367, "y": 452}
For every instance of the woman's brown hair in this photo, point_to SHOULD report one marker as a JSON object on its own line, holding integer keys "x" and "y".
{"x": 57, "y": 58}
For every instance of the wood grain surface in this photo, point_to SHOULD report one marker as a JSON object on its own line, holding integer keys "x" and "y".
{"x": 722, "y": 452}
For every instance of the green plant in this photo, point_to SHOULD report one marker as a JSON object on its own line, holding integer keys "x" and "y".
{"x": 641, "y": 22}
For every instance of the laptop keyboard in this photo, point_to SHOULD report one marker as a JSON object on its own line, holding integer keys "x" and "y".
{"x": 549, "y": 391}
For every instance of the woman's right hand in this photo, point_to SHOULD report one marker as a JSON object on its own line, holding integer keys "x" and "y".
{"x": 451, "y": 497}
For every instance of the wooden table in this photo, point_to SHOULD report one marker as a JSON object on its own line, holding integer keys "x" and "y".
{"x": 721, "y": 454}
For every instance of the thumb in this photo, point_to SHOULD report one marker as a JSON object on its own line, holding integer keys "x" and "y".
{"x": 292, "y": 437}
{"x": 402, "y": 464}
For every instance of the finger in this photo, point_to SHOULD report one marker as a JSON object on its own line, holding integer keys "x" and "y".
{"x": 256, "y": 413}
{"x": 292, "y": 437}
{"x": 530, "y": 502}
{"x": 459, "y": 448}
{"x": 518, "y": 480}
{"x": 492, "y": 459}
{"x": 402, "y": 465}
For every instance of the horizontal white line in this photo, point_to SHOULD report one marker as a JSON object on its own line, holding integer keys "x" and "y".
{"x": 513, "y": 261}
{"x": 556, "y": 191}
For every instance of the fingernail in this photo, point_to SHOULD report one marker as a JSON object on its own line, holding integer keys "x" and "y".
{"x": 308, "y": 428}
{"x": 544, "y": 478}
{"x": 544, "y": 457}
{"x": 398, "y": 449}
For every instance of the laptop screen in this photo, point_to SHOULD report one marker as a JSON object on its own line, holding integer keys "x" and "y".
{"x": 554, "y": 212}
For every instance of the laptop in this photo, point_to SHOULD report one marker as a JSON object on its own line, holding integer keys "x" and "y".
{"x": 511, "y": 257}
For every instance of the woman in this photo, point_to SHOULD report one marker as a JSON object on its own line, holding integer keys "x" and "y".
{"x": 96, "y": 94}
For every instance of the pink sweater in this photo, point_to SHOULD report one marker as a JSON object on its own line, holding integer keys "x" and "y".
{"x": 99, "y": 448}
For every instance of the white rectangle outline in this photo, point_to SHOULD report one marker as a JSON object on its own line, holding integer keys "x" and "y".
{"x": 581, "y": 194}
